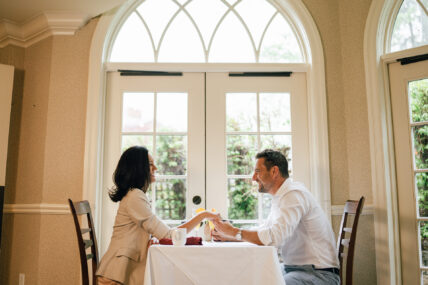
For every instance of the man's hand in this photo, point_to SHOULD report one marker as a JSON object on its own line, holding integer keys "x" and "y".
{"x": 225, "y": 229}
{"x": 219, "y": 237}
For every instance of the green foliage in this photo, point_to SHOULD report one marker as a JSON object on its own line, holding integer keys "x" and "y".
{"x": 171, "y": 193}
{"x": 419, "y": 108}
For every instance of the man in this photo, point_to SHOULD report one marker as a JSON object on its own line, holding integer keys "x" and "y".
{"x": 296, "y": 224}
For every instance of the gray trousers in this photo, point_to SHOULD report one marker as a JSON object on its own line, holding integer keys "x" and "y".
{"x": 308, "y": 275}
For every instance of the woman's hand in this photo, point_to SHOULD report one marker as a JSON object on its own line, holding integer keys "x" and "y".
{"x": 152, "y": 241}
{"x": 211, "y": 216}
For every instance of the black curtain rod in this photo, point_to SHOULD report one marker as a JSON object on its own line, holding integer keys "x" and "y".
{"x": 261, "y": 74}
{"x": 413, "y": 59}
{"x": 125, "y": 72}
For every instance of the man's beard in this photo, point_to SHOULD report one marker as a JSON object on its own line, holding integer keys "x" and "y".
{"x": 262, "y": 189}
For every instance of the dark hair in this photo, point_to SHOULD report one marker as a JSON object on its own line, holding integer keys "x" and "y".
{"x": 132, "y": 171}
{"x": 274, "y": 158}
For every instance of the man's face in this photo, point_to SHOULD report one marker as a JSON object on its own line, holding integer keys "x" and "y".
{"x": 263, "y": 176}
{"x": 153, "y": 169}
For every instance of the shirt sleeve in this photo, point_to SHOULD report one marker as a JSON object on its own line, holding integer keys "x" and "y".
{"x": 292, "y": 207}
{"x": 140, "y": 212}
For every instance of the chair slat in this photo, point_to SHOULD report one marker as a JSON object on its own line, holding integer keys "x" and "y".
{"x": 345, "y": 242}
{"x": 351, "y": 207}
{"x": 84, "y": 231}
{"x": 348, "y": 230}
{"x": 82, "y": 208}
{"x": 88, "y": 243}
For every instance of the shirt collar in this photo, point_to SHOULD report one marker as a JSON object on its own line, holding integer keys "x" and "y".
{"x": 283, "y": 188}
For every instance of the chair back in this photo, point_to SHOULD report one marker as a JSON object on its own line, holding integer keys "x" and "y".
{"x": 347, "y": 236}
{"x": 85, "y": 238}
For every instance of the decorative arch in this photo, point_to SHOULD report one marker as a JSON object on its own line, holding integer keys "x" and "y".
{"x": 308, "y": 36}
{"x": 377, "y": 39}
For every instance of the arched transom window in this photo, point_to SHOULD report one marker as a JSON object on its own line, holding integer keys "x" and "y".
{"x": 206, "y": 31}
{"x": 411, "y": 25}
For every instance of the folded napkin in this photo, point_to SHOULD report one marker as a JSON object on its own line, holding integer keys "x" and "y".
{"x": 189, "y": 241}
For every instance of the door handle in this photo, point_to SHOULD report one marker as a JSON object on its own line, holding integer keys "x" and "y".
{"x": 197, "y": 200}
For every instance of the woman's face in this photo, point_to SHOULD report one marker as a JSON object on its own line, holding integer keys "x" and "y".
{"x": 153, "y": 169}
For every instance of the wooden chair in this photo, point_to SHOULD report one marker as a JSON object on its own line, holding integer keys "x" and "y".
{"x": 347, "y": 236}
{"x": 82, "y": 208}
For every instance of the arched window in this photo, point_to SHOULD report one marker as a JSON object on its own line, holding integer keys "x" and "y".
{"x": 206, "y": 31}
{"x": 411, "y": 25}
{"x": 189, "y": 93}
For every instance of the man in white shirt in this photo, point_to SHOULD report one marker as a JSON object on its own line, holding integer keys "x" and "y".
{"x": 296, "y": 224}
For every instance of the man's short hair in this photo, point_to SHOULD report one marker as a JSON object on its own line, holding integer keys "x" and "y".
{"x": 274, "y": 158}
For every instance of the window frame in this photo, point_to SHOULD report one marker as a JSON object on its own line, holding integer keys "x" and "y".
{"x": 307, "y": 34}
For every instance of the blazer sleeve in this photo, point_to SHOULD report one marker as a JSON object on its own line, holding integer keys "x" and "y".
{"x": 140, "y": 212}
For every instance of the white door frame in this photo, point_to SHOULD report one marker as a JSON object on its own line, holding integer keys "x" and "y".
{"x": 309, "y": 37}
{"x": 377, "y": 37}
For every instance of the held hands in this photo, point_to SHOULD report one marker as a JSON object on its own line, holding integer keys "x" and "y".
{"x": 224, "y": 231}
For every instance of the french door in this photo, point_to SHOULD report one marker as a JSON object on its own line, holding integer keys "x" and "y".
{"x": 203, "y": 130}
{"x": 409, "y": 99}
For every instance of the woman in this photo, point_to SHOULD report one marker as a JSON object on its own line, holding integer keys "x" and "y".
{"x": 125, "y": 260}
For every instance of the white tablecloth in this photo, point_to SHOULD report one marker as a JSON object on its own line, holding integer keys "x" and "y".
{"x": 213, "y": 263}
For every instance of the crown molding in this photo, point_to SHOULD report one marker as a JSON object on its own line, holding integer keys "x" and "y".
{"x": 40, "y": 27}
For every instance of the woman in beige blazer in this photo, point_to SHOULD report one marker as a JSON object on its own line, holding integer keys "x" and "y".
{"x": 125, "y": 259}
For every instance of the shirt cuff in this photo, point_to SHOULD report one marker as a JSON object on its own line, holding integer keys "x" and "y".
{"x": 264, "y": 236}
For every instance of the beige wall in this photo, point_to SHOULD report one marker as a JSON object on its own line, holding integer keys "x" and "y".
{"x": 45, "y": 158}
{"x": 341, "y": 25}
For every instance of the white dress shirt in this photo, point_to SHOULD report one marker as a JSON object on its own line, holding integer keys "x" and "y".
{"x": 298, "y": 226}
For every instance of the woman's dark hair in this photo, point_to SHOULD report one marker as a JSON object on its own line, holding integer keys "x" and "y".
{"x": 274, "y": 158}
{"x": 132, "y": 171}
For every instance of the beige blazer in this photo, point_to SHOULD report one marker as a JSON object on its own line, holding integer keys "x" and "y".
{"x": 125, "y": 259}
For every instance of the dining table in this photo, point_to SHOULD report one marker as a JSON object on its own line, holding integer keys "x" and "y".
{"x": 213, "y": 263}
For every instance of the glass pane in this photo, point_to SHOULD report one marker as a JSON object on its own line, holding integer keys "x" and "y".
{"x": 156, "y": 14}
{"x": 418, "y": 95}
{"x": 171, "y": 199}
{"x": 182, "y": 42}
{"x": 241, "y": 112}
{"x": 132, "y": 140}
{"x": 241, "y": 150}
{"x": 132, "y": 44}
{"x": 137, "y": 112}
{"x": 423, "y": 229}
{"x": 242, "y": 201}
{"x": 207, "y": 14}
{"x": 231, "y": 43}
{"x": 171, "y": 155}
{"x": 256, "y": 15}
{"x": 420, "y": 146}
{"x": 280, "y": 43}
{"x": 280, "y": 143}
{"x": 424, "y": 277}
{"x": 267, "y": 202}
{"x": 410, "y": 27}
{"x": 422, "y": 187}
{"x": 171, "y": 112}
{"x": 275, "y": 114}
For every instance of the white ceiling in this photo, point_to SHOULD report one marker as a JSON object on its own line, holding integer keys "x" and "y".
{"x": 20, "y": 11}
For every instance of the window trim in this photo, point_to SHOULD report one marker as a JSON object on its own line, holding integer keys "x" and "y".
{"x": 306, "y": 32}
{"x": 377, "y": 44}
